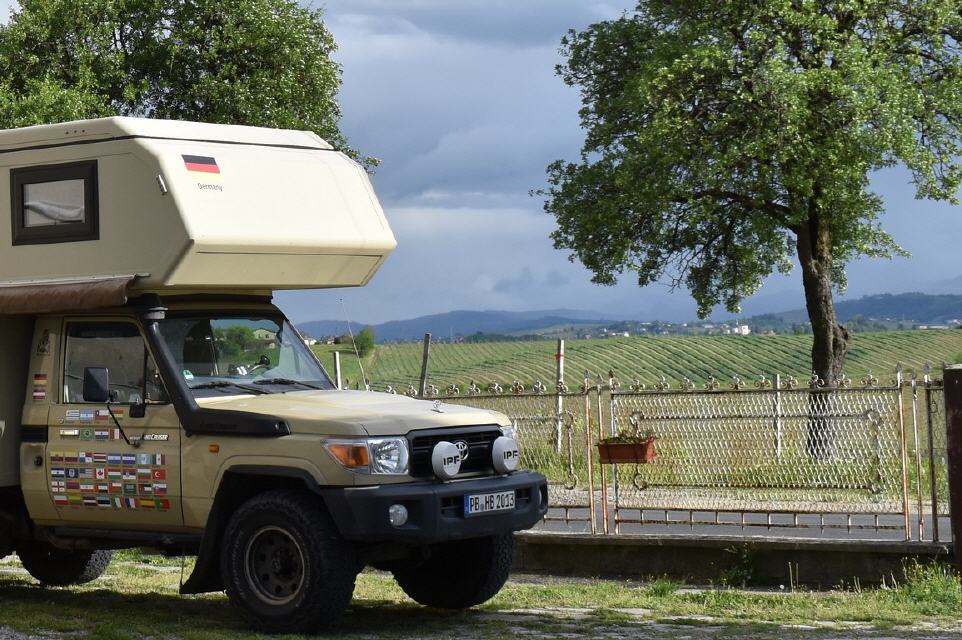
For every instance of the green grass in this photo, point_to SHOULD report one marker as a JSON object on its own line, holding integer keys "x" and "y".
{"x": 138, "y": 598}
{"x": 646, "y": 358}
{"x": 350, "y": 371}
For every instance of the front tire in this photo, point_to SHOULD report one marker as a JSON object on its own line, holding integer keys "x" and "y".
{"x": 461, "y": 573}
{"x": 285, "y": 566}
{"x": 58, "y": 568}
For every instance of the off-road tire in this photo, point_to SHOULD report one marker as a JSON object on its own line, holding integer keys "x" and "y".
{"x": 58, "y": 568}
{"x": 285, "y": 566}
{"x": 461, "y": 573}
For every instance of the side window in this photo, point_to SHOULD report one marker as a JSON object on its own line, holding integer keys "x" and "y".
{"x": 54, "y": 203}
{"x": 119, "y": 347}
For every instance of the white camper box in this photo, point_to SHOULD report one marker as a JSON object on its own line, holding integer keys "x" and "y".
{"x": 104, "y": 208}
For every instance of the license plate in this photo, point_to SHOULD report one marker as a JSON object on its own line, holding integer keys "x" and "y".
{"x": 488, "y": 502}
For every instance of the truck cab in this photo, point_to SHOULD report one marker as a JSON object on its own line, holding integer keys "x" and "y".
{"x": 154, "y": 396}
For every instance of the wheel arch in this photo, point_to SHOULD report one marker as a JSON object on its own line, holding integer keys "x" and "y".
{"x": 238, "y": 484}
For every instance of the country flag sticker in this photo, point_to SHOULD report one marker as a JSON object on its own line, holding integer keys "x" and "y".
{"x": 39, "y": 387}
{"x": 202, "y": 168}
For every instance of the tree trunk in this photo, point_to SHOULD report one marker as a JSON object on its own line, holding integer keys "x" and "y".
{"x": 829, "y": 338}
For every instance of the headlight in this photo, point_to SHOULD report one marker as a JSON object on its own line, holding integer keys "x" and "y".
{"x": 382, "y": 456}
{"x": 389, "y": 455}
{"x": 512, "y": 431}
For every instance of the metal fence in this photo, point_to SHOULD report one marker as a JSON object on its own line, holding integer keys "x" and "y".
{"x": 862, "y": 458}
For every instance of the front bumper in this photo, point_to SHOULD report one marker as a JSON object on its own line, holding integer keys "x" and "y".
{"x": 436, "y": 509}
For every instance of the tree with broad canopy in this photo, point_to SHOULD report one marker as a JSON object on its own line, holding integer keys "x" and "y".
{"x": 725, "y": 140}
{"x": 252, "y": 62}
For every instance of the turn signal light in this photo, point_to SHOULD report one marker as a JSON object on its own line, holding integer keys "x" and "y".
{"x": 349, "y": 454}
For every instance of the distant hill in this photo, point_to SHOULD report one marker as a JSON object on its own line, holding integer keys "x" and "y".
{"x": 462, "y": 323}
{"x": 893, "y": 309}
{"x": 908, "y": 308}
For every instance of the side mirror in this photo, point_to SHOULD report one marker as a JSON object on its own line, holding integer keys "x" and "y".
{"x": 96, "y": 384}
{"x": 264, "y": 361}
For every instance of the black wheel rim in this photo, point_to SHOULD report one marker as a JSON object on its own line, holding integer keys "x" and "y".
{"x": 274, "y": 564}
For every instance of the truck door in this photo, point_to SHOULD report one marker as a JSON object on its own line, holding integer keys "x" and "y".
{"x": 96, "y": 477}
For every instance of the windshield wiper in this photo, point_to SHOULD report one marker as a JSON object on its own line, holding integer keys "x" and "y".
{"x": 216, "y": 384}
{"x": 286, "y": 381}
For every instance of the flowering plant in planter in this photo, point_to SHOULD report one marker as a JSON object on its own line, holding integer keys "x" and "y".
{"x": 633, "y": 445}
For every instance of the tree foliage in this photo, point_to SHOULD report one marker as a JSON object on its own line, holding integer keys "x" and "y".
{"x": 725, "y": 140}
{"x": 364, "y": 341}
{"x": 252, "y": 62}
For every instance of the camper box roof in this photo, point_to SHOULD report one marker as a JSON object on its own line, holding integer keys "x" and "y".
{"x": 180, "y": 206}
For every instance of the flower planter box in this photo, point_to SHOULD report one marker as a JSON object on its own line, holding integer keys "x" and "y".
{"x": 627, "y": 452}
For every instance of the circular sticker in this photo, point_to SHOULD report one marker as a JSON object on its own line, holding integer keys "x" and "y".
{"x": 445, "y": 460}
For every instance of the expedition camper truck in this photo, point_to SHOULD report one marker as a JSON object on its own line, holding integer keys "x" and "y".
{"x": 152, "y": 395}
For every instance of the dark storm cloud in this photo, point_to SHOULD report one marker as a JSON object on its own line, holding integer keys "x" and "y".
{"x": 459, "y": 99}
{"x": 504, "y": 22}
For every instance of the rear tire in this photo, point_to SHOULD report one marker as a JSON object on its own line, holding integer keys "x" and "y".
{"x": 55, "y": 567}
{"x": 461, "y": 573}
{"x": 285, "y": 566}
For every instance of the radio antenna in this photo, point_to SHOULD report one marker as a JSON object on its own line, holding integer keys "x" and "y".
{"x": 350, "y": 332}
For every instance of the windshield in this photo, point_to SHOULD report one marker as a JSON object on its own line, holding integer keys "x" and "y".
{"x": 243, "y": 354}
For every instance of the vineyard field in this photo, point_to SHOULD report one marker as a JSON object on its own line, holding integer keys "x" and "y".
{"x": 645, "y": 358}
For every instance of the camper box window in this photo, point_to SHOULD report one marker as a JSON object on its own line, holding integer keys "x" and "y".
{"x": 54, "y": 203}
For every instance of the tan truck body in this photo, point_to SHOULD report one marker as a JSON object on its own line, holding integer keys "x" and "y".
{"x": 152, "y": 395}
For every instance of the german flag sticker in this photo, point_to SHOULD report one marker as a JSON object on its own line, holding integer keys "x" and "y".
{"x": 202, "y": 168}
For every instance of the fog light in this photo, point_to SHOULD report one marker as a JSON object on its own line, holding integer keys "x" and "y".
{"x": 505, "y": 455}
{"x": 398, "y": 515}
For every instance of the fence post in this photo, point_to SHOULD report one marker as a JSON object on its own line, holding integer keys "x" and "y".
{"x": 559, "y": 397}
{"x": 952, "y": 381}
{"x": 586, "y": 388}
{"x": 903, "y": 443}
{"x": 601, "y": 436}
{"x": 422, "y": 386}
{"x": 932, "y": 469}
{"x": 778, "y": 416}
{"x": 337, "y": 368}
{"x": 918, "y": 455}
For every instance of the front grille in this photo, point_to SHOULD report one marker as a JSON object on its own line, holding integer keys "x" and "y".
{"x": 479, "y": 440}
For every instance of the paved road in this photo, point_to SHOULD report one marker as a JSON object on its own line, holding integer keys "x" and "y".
{"x": 547, "y": 624}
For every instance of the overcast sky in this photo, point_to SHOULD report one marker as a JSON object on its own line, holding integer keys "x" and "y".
{"x": 460, "y": 102}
